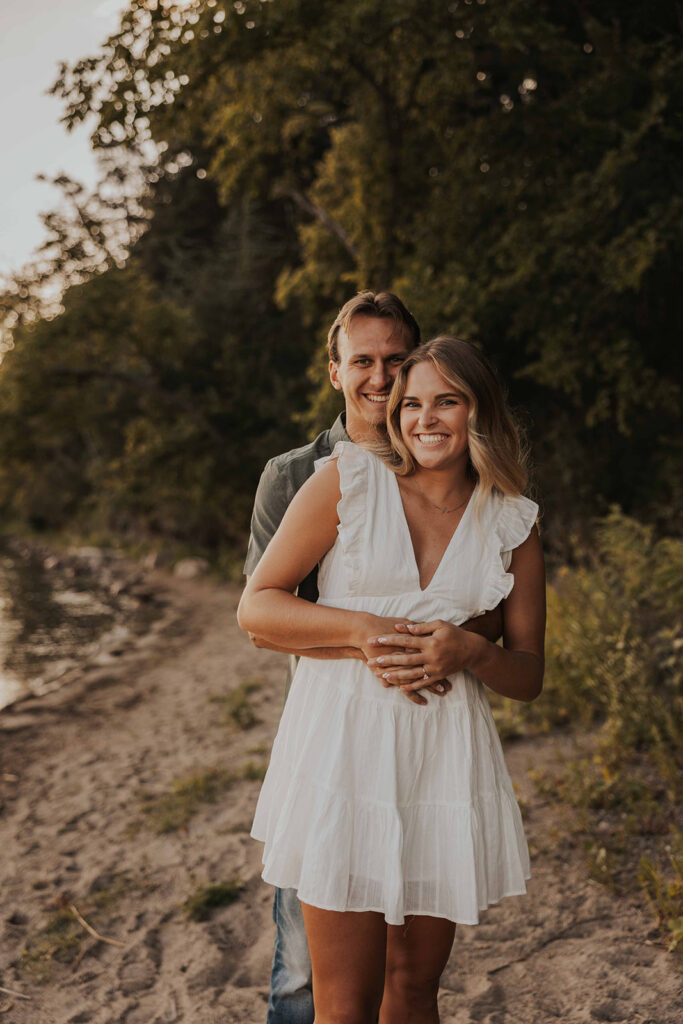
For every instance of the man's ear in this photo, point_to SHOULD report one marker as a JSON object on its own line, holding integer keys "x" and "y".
{"x": 334, "y": 375}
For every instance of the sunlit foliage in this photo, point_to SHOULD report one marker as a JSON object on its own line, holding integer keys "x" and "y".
{"x": 512, "y": 170}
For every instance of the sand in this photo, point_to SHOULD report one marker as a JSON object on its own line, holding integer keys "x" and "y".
{"x": 85, "y": 775}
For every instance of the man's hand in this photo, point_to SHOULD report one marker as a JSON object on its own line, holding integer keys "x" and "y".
{"x": 431, "y": 651}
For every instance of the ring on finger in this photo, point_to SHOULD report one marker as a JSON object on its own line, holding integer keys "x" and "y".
{"x": 425, "y": 674}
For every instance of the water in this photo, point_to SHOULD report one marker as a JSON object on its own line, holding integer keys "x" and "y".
{"x": 57, "y": 611}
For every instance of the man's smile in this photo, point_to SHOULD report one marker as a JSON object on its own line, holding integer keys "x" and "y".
{"x": 383, "y": 398}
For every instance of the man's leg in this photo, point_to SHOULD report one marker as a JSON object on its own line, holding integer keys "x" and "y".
{"x": 291, "y": 995}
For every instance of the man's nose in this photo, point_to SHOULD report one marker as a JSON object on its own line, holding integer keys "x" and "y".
{"x": 380, "y": 377}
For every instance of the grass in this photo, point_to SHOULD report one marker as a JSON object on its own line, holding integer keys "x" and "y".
{"x": 61, "y": 940}
{"x": 664, "y": 889}
{"x": 172, "y": 811}
{"x": 58, "y": 941}
{"x": 238, "y": 708}
{"x": 253, "y": 771}
{"x": 202, "y": 903}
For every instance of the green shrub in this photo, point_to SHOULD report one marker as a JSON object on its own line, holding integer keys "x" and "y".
{"x": 614, "y": 667}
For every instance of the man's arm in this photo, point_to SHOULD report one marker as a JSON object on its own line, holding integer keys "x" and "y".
{"x": 489, "y": 625}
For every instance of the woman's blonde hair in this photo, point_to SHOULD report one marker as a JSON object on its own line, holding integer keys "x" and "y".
{"x": 497, "y": 453}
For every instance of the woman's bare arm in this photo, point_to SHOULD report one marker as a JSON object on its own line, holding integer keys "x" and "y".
{"x": 269, "y": 608}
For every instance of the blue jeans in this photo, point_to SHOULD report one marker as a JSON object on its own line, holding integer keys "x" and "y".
{"x": 291, "y": 982}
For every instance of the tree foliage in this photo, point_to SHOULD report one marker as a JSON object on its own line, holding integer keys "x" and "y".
{"x": 512, "y": 170}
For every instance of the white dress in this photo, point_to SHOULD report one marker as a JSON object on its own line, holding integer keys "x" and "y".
{"x": 372, "y": 802}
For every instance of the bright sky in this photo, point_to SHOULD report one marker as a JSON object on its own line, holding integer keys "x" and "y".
{"x": 34, "y": 36}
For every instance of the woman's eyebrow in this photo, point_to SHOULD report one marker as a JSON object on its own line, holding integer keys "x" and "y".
{"x": 446, "y": 394}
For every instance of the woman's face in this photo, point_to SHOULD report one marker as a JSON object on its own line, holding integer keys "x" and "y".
{"x": 433, "y": 419}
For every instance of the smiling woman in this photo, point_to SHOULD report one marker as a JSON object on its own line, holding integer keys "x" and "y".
{"x": 376, "y": 808}
{"x": 459, "y": 425}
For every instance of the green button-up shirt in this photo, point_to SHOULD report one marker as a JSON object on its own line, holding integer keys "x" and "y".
{"x": 280, "y": 480}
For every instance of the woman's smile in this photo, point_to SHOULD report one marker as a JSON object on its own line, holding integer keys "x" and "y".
{"x": 431, "y": 440}
{"x": 433, "y": 419}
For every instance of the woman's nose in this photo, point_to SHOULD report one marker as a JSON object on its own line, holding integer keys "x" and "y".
{"x": 426, "y": 415}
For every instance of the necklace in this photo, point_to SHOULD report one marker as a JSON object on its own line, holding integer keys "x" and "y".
{"x": 440, "y": 508}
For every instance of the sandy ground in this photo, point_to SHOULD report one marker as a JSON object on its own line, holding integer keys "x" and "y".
{"x": 77, "y": 771}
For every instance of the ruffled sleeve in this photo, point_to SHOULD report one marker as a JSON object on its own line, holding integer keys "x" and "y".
{"x": 517, "y": 516}
{"x": 511, "y": 526}
{"x": 353, "y": 464}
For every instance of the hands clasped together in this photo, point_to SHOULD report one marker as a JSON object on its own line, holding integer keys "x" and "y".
{"x": 419, "y": 656}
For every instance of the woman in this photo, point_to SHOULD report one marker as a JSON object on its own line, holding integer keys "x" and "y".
{"x": 376, "y": 809}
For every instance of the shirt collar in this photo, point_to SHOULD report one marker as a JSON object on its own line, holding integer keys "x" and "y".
{"x": 338, "y": 430}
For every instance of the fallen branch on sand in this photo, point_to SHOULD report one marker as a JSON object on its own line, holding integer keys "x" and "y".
{"x": 12, "y": 992}
{"x": 101, "y": 938}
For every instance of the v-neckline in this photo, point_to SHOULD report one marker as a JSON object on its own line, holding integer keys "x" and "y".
{"x": 456, "y": 531}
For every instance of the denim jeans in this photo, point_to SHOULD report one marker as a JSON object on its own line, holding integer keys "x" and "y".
{"x": 291, "y": 995}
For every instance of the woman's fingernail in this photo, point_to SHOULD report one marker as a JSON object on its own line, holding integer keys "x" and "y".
{"x": 381, "y": 661}
{"x": 386, "y": 675}
{"x": 439, "y": 688}
{"x": 381, "y": 640}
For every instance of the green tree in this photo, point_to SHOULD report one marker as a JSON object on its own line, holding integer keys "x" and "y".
{"x": 512, "y": 170}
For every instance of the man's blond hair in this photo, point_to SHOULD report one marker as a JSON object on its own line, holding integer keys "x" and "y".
{"x": 382, "y": 306}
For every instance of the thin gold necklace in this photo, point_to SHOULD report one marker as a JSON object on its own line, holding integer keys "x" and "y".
{"x": 444, "y": 511}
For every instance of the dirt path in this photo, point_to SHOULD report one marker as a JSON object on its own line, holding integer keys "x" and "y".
{"x": 88, "y": 779}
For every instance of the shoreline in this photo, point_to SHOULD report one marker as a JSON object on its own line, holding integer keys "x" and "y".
{"x": 130, "y": 799}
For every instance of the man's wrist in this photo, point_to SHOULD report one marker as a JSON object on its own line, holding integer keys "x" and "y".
{"x": 476, "y": 651}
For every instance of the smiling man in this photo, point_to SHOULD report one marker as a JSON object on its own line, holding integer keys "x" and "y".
{"x": 368, "y": 342}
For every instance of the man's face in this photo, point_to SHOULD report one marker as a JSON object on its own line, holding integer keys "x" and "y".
{"x": 370, "y": 356}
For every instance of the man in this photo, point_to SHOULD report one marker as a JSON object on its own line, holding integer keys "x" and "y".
{"x": 369, "y": 340}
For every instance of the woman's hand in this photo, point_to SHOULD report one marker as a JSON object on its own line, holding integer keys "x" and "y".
{"x": 438, "y": 685}
{"x": 429, "y": 652}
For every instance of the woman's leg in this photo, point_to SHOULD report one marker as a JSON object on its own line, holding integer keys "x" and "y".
{"x": 417, "y": 953}
{"x": 348, "y": 953}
